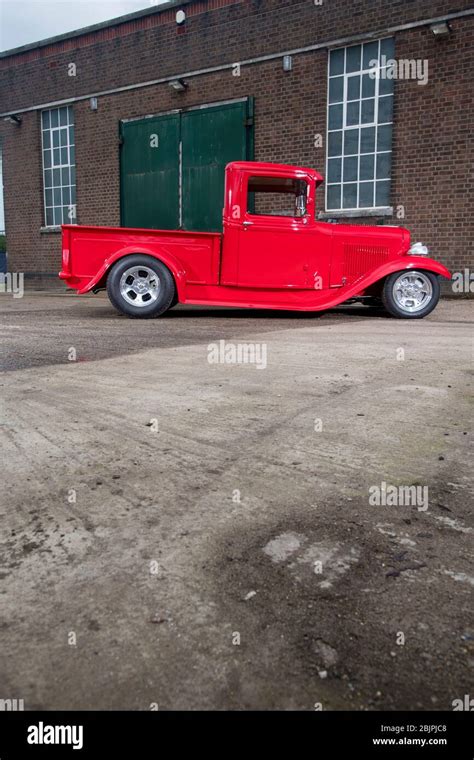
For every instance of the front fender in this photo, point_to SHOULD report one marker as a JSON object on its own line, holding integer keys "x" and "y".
{"x": 397, "y": 265}
{"x": 168, "y": 260}
{"x": 416, "y": 262}
{"x": 400, "y": 264}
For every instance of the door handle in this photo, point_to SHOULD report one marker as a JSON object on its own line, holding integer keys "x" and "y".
{"x": 246, "y": 224}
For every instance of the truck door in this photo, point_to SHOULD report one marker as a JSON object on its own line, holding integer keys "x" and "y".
{"x": 277, "y": 239}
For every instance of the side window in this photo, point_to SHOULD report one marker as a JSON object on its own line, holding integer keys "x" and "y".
{"x": 277, "y": 196}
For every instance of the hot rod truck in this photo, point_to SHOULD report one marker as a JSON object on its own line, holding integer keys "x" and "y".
{"x": 273, "y": 253}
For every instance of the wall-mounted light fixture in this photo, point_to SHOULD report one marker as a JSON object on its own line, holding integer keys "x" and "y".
{"x": 13, "y": 119}
{"x": 287, "y": 63}
{"x": 93, "y": 104}
{"x": 180, "y": 17}
{"x": 441, "y": 30}
{"x": 178, "y": 85}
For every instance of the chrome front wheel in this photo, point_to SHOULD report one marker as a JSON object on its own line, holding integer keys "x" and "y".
{"x": 411, "y": 294}
{"x": 412, "y": 291}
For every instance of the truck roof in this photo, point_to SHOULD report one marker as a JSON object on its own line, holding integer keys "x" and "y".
{"x": 271, "y": 168}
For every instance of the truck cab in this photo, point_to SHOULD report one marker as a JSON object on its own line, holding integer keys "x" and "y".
{"x": 270, "y": 228}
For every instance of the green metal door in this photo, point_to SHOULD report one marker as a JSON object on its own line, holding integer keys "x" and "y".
{"x": 150, "y": 172}
{"x": 172, "y": 166}
{"x": 211, "y": 138}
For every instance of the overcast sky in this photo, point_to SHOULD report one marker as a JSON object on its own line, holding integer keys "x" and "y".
{"x": 25, "y": 21}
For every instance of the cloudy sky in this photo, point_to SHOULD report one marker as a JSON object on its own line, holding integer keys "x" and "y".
{"x": 25, "y": 21}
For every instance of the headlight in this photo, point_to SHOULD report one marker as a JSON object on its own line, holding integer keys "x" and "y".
{"x": 418, "y": 249}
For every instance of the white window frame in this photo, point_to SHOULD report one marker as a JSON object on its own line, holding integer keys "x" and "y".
{"x": 360, "y": 72}
{"x": 70, "y": 215}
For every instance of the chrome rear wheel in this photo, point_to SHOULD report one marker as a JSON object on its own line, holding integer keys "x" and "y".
{"x": 139, "y": 286}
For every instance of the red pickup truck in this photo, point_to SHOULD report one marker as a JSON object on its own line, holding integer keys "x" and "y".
{"x": 272, "y": 254}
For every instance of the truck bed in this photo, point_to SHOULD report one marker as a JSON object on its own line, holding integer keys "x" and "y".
{"x": 88, "y": 253}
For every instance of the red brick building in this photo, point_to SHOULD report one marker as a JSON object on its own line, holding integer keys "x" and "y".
{"x": 132, "y": 121}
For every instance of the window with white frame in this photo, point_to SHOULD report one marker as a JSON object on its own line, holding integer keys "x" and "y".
{"x": 59, "y": 166}
{"x": 359, "y": 134}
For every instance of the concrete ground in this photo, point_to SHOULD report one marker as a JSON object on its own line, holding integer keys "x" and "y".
{"x": 190, "y": 535}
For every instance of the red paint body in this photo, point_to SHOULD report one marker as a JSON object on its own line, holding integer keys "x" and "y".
{"x": 263, "y": 261}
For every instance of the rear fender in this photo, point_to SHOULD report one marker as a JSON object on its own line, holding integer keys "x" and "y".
{"x": 176, "y": 269}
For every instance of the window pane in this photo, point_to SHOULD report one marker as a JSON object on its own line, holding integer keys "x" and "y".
{"x": 350, "y": 168}
{"x": 48, "y": 197}
{"x": 367, "y": 139}
{"x": 352, "y": 113}
{"x": 49, "y": 217}
{"x": 387, "y": 48}
{"x": 384, "y": 137}
{"x": 72, "y": 155}
{"x": 366, "y": 194}
{"x": 368, "y": 86}
{"x": 54, "y": 117}
{"x": 367, "y": 164}
{"x": 58, "y": 218}
{"x": 353, "y": 87}
{"x": 353, "y": 58}
{"x": 384, "y": 164}
{"x": 349, "y": 195}
{"x": 334, "y": 196}
{"x": 335, "y": 117}
{"x": 56, "y": 177}
{"x": 351, "y": 141}
{"x": 336, "y": 62}
{"x": 385, "y": 109}
{"x": 46, "y": 139}
{"x": 385, "y": 85}
{"x": 45, "y": 119}
{"x": 66, "y": 196}
{"x": 336, "y": 90}
{"x": 334, "y": 170}
{"x": 382, "y": 193}
{"x": 64, "y": 156}
{"x": 367, "y": 111}
{"x": 48, "y": 178}
{"x": 56, "y": 156}
{"x": 334, "y": 143}
{"x": 63, "y": 137}
{"x": 63, "y": 116}
{"x": 47, "y": 159}
{"x": 65, "y": 177}
{"x": 371, "y": 53}
{"x": 57, "y": 196}
{"x": 71, "y": 135}
{"x": 55, "y": 138}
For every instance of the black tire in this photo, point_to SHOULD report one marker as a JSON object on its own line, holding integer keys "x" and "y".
{"x": 395, "y": 308}
{"x": 165, "y": 286}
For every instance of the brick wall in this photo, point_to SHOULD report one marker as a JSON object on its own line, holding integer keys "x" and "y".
{"x": 432, "y": 164}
